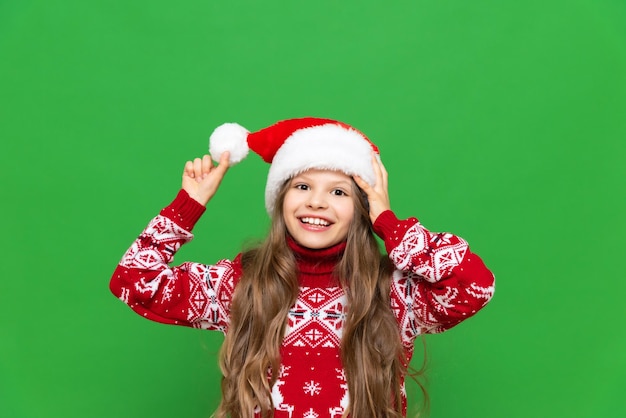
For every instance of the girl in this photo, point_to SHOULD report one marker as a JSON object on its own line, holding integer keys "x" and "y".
{"x": 317, "y": 322}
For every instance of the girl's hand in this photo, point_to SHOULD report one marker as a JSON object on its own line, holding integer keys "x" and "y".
{"x": 201, "y": 178}
{"x": 377, "y": 195}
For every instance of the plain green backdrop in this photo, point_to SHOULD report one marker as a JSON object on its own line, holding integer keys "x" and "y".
{"x": 503, "y": 122}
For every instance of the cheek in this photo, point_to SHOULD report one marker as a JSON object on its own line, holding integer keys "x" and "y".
{"x": 347, "y": 212}
{"x": 289, "y": 203}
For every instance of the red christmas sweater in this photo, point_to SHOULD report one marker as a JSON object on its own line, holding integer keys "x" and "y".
{"x": 438, "y": 282}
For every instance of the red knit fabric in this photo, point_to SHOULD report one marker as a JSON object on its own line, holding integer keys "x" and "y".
{"x": 438, "y": 283}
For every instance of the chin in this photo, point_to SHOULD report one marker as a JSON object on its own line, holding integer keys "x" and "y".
{"x": 316, "y": 244}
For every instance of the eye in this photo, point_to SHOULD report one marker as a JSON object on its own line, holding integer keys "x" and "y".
{"x": 301, "y": 186}
{"x": 338, "y": 192}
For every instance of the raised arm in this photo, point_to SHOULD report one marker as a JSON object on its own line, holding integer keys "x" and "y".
{"x": 191, "y": 294}
{"x": 439, "y": 282}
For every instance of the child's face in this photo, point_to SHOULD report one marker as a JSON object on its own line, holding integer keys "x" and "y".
{"x": 318, "y": 208}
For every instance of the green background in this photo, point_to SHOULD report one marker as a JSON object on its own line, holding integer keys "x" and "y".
{"x": 503, "y": 122}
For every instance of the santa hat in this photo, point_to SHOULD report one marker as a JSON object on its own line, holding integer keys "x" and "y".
{"x": 296, "y": 145}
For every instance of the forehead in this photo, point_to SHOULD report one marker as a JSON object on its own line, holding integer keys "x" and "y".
{"x": 315, "y": 174}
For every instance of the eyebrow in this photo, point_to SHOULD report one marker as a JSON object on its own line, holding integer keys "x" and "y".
{"x": 304, "y": 177}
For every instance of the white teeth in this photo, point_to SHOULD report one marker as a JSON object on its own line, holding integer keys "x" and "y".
{"x": 315, "y": 221}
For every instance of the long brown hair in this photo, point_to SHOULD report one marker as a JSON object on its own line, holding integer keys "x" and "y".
{"x": 371, "y": 349}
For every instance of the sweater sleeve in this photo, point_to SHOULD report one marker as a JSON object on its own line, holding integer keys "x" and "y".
{"x": 191, "y": 294}
{"x": 438, "y": 283}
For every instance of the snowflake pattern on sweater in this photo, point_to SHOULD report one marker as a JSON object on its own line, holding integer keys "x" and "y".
{"x": 437, "y": 284}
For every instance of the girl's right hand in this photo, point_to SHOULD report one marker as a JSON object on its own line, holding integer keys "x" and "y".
{"x": 201, "y": 178}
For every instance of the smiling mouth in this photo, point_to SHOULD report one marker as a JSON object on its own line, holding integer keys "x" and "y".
{"x": 314, "y": 221}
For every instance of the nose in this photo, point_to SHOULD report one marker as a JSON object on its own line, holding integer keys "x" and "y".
{"x": 317, "y": 200}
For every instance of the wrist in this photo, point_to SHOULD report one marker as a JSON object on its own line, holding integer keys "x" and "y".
{"x": 184, "y": 210}
{"x": 199, "y": 199}
{"x": 374, "y": 215}
{"x": 385, "y": 223}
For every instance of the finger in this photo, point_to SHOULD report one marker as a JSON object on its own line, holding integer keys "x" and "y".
{"x": 197, "y": 168}
{"x": 377, "y": 170}
{"x": 383, "y": 170}
{"x": 188, "y": 170}
{"x": 207, "y": 165}
{"x": 362, "y": 184}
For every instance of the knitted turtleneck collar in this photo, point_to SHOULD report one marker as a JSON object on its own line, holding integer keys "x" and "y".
{"x": 315, "y": 267}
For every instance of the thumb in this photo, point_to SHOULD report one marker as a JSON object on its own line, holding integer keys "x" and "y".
{"x": 224, "y": 163}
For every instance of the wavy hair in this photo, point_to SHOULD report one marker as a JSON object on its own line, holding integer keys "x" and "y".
{"x": 371, "y": 348}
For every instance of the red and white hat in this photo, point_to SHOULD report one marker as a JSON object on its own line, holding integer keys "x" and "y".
{"x": 296, "y": 145}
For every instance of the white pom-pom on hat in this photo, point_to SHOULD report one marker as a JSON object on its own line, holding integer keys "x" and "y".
{"x": 230, "y": 137}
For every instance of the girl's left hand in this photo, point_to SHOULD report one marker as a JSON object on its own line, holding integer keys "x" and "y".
{"x": 377, "y": 195}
